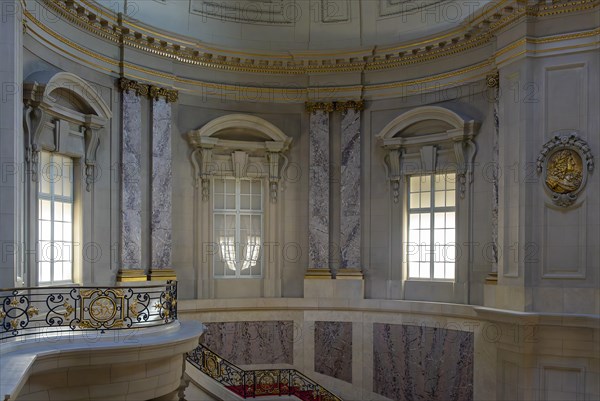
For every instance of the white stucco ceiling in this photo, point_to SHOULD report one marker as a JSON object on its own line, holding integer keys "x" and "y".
{"x": 297, "y": 25}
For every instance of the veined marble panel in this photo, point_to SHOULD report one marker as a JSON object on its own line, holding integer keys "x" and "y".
{"x": 252, "y": 343}
{"x": 333, "y": 349}
{"x": 422, "y": 363}
{"x": 161, "y": 184}
{"x": 318, "y": 192}
{"x": 350, "y": 191}
{"x": 131, "y": 196}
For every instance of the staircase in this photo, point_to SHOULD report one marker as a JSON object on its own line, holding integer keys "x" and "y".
{"x": 257, "y": 383}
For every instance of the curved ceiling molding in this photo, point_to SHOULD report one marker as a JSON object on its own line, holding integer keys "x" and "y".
{"x": 477, "y": 30}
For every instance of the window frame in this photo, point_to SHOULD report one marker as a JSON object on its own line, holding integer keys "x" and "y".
{"x": 432, "y": 210}
{"x": 238, "y": 212}
{"x": 53, "y": 198}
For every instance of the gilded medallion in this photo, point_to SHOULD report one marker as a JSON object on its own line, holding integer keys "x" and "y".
{"x": 565, "y": 171}
{"x": 567, "y": 159}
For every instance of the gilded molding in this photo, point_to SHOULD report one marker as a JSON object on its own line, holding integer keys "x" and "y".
{"x": 170, "y": 95}
{"x": 154, "y": 92}
{"x": 357, "y": 105}
{"x": 327, "y": 107}
{"x": 126, "y": 85}
{"x": 493, "y": 80}
{"x": 477, "y": 32}
{"x": 330, "y": 107}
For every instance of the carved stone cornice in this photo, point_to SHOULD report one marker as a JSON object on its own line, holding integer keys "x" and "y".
{"x": 330, "y": 107}
{"x": 478, "y": 31}
{"x": 154, "y": 92}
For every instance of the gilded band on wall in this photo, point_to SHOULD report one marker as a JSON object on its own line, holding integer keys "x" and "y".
{"x": 566, "y": 159}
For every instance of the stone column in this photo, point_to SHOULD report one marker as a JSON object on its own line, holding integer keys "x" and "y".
{"x": 160, "y": 224}
{"x": 131, "y": 196}
{"x": 350, "y": 238}
{"x": 318, "y": 193}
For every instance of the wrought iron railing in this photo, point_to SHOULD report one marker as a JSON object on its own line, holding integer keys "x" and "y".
{"x": 257, "y": 383}
{"x": 49, "y": 310}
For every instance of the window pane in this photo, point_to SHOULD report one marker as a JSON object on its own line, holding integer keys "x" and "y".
{"x": 230, "y": 202}
{"x": 245, "y": 187}
{"x": 44, "y": 272}
{"x": 414, "y": 221}
{"x": 415, "y": 184}
{"x": 440, "y": 182}
{"x": 439, "y": 271}
{"x": 45, "y": 212}
{"x": 45, "y": 230}
{"x": 58, "y": 271}
{"x": 58, "y": 231}
{"x": 424, "y": 270}
{"x": 230, "y": 186}
{"x": 68, "y": 271}
{"x": 450, "y": 219}
{"x": 425, "y": 199}
{"x": 256, "y": 202}
{"x": 245, "y": 202}
{"x": 450, "y": 271}
{"x": 440, "y": 199}
{"x": 415, "y": 201}
{"x": 440, "y": 220}
{"x": 425, "y": 220}
{"x": 451, "y": 181}
{"x": 58, "y": 211}
{"x": 426, "y": 183}
{"x": 219, "y": 186}
{"x": 256, "y": 187}
{"x": 450, "y": 198}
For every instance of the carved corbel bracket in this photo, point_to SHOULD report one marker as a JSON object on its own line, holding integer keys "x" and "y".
{"x": 205, "y": 171}
{"x": 274, "y": 174}
{"x": 464, "y": 152}
{"x": 33, "y": 117}
{"x": 393, "y": 165}
{"x": 92, "y": 142}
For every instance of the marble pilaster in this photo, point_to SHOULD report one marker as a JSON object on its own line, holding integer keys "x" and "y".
{"x": 350, "y": 191}
{"x": 160, "y": 224}
{"x": 319, "y": 191}
{"x": 131, "y": 196}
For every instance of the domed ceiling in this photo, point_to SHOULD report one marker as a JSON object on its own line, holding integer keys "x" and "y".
{"x": 297, "y": 25}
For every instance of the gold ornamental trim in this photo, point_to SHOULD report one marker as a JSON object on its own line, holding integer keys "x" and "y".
{"x": 493, "y": 80}
{"x": 131, "y": 275}
{"x": 330, "y": 107}
{"x": 477, "y": 32}
{"x": 154, "y": 92}
{"x": 162, "y": 275}
{"x": 318, "y": 274}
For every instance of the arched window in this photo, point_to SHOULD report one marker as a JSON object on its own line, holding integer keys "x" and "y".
{"x": 64, "y": 121}
{"x": 429, "y": 158}
{"x": 238, "y": 161}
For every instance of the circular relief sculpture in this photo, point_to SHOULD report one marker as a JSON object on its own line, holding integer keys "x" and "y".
{"x": 102, "y": 309}
{"x": 567, "y": 159}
